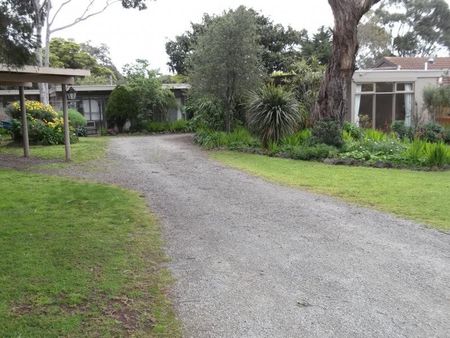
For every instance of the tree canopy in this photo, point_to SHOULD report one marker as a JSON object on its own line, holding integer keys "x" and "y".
{"x": 226, "y": 59}
{"x": 17, "y": 41}
{"x": 404, "y": 28}
{"x": 70, "y": 54}
{"x": 279, "y": 45}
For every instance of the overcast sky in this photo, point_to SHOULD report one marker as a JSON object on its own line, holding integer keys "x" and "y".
{"x": 131, "y": 34}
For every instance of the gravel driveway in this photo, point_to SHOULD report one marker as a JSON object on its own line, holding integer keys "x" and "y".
{"x": 254, "y": 259}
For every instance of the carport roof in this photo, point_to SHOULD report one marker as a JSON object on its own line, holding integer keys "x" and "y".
{"x": 27, "y": 74}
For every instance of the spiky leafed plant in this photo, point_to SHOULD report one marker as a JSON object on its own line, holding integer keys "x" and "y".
{"x": 272, "y": 113}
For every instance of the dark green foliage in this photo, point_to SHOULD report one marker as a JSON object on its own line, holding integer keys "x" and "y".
{"x": 437, "y": 100}
{"x": 431, "y": 132}
{"x": 228, "y": 75}
{"x": 121, "y": 106}
{"x": 40, "y": 132}
{"x": 318, "y": 47}
{"x": 353, "y": 130}
{"x": 437, "y": 154}
{"x": 313, "y": 152}
{"x": 207, "y": 113}
{"x": 402, "y": 130}
{"x": 76, "y": 119}
{"x": 279, "y": 45}
{"x": 408, "y": 28}
{"x": 17, "y": 42}
{"x": 179, "y": 126}
{"x": 304, "y": 80}
{"x": 272, "y": 114}
{"x": 328, "y": 131}
{"x": 238, "y": 139}
{"x": 151, "y": 100}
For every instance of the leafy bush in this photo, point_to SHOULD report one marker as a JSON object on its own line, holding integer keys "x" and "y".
{"x": 121, "y": 106}
{"x": 173, "y": 127}
{"x": 437, "y": 154}
{"x": 45, "y": 126}
{"x": 240, "y": 138}
{"x": 35, "y": 109}
{"x": 431, "y": 132}
{"x": 437, "y": 99}
{"x": 353, "y": 131}
{"x": 328, "y": 131}
{"x": 42, "y": 132}
{"x": 414, "y": 153}
{"x": 207, "y": 113}
{"x": 300, "y": 138}
{"x": 402, "y": 130}
{"x": 76, "y": 119}
{"x": 314, "y": 152}
{"x": 375, "y": 135}
{"x": 446, "y": 136}
{"x": 272, "y": 113}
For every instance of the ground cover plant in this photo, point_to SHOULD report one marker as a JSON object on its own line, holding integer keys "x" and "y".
{"x": 79, "y": 259}
{"x": 354, "y": 146}
{"x": 179, "y": 126}
{"x": 418, "y": 195}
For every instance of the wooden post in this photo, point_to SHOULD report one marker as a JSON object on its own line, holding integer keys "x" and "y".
{"x": 23, "y": 109}
{"x": 66, "y": 123}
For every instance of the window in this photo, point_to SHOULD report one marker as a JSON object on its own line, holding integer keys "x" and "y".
{"x": 389, "y": 102}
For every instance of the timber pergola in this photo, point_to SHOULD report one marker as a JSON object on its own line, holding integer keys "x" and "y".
{"x": 25, "y": 76}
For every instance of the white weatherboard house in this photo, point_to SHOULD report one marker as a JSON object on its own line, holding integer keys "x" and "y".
{"x": 393, "y": 90}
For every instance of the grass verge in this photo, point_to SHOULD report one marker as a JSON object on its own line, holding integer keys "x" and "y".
{"x": 79, "y": 260}
{"x": 87, "y": 149}
{"x": 421, "y": 196}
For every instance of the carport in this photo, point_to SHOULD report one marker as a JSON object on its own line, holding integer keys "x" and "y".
{"x": 25, "y": 76}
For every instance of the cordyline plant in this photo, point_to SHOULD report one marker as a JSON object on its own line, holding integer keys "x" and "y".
{"x": 272, "y": 114}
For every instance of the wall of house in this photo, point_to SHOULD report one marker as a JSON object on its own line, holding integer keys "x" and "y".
{"x": 420, "y": 79}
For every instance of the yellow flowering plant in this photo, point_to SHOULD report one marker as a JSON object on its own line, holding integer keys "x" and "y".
{"x": 45, "y": 126}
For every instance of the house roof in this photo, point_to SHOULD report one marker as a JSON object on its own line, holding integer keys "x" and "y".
{"x": 413, "y": 63}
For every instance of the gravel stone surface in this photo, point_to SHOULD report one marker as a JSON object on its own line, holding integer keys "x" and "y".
{"x": 254, "y": 259}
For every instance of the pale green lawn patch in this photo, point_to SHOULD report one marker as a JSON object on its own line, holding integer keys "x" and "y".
{"x": 418, "y": 195}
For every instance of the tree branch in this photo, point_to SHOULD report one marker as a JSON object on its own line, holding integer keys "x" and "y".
{"x": 85, "y": 15}
{"x": 59, "y": 9}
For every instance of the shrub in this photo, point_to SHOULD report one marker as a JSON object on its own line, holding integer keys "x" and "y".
{"x": 238, "y": 139}
{"x": 328, "y": 131}
{"x": 121, "y": 106}
{"x": 314, "y": 152}
{"x": 431, "y": 132}
{"x": 437, "y": 154}
{"x": 375, "y": 135}
{"x": 353, "y": 131}
{"x": 446, "y": 136}
{"x": 76, "y": 119}
{"x": 42, "y": 132}
{"x": 297, "y": 139}
{"x": 173, "y": 127}
{"x": 272, "y": 114}
{"x": 207, "y": 113}
{"x": 35, "y": 109}
{"x": 401, "y": 130}
{"x": 415, "y": 152}
{"x": 44, "y": 125}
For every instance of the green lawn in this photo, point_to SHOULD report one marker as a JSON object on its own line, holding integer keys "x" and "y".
{"x": 79, "y": 260}
{"x": 422, "y": 196}
{"x": 88, "y": 148}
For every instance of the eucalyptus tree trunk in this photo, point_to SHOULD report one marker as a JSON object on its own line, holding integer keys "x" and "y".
{"x": 333, "y": 101}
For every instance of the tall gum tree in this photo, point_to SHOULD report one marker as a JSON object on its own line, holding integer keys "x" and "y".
{"x": 333, "y": 100}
